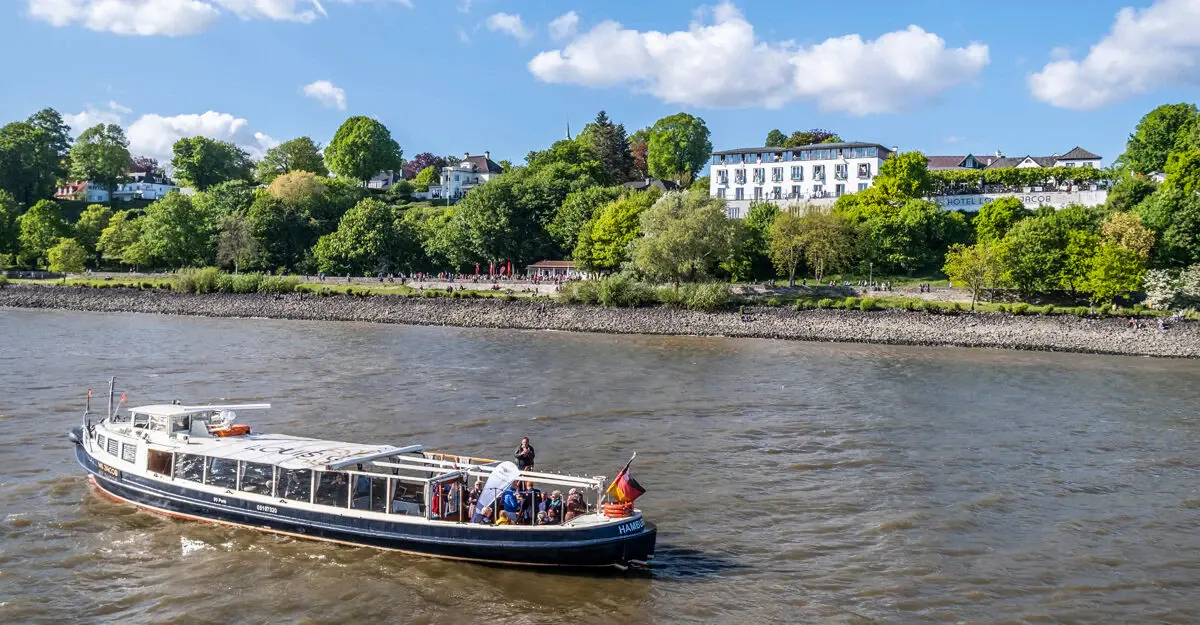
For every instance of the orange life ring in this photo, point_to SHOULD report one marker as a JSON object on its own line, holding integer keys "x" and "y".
{"x": 232, "y": 430}
{"x": 618, "y": 510}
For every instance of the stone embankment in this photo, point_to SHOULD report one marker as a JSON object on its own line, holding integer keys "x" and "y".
{"x": 1055, "y": 333}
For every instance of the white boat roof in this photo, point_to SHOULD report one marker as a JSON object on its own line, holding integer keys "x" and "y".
{"x": 170, "y": 410}
{"x": 292, "y": 452}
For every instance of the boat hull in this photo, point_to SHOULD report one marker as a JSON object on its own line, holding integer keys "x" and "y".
{"x": 611, "y": 545}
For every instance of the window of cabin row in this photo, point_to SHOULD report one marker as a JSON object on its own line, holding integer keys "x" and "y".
{"x": 333, "y": 488}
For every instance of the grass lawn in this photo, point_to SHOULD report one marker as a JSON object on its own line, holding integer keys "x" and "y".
{"x": 932, "y": 279}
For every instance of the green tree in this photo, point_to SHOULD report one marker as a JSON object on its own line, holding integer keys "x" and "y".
{"x": 90, "y": 226}
{"x": 576, "y": 210}
{"x": 284, "y": 232}
{"x": 232, "y": 197}
{"x": 298, "y": 188}
{"x": 300, "y": 154}
{"x": 1183, "y": 171}
{"x": 426, "y": 177}
{"x": 1156, "y": 136}
{"x": 67, "y": 256}
{"x": 1115, "y": 272}
{"x": 101, "y": 156}
{"x": 604, "y": 240}
{"x": 611, "y": 147}
{"x": 978, "y": 266}
{"x": 1077, "y": 259}
{"x": 236, "y": 244}
{"x": 775, "y": 139}
{"x": 996, "y": 217}
{"x": 684, "y": 236}
{"x": 8, "y": 224}
{"x": 177, "y": 234}
{"x": 904, "y": 176}
{"x": 827, "y": 238}
{"x": 787, "y": 244}
{"x": 361, "y": 148}
{"x": 1127, "y": 231}
{"x": 40, "y": 229}
{"x": 1032, "y": 253}
{"x": 701, "y": 185}
{"x": 201, "y": 162}
{"x": 750, "y": 259}
{"x": 123, "y": 232}
{"x": 33, "y": 155}
{"x": 912, "y": 237}
{"x": 1128, "y": 192}
{"x": 365, "y": 241}
{"x": 679, "y": 146}
{"x": 1174, "y": 216}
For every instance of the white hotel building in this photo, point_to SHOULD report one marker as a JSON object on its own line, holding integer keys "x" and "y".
{"x": 817, "y": 174}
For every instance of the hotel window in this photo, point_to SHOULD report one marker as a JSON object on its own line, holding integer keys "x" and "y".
{"x": 776, "y": 174}
{"x": 839, "y": 189}
{"x": 777, "y": 192}
{"x": 795, "y": 190}
{"x": 864, "y": 170}
{"x": 721, "y": 193}
{"x": 1070, "y": 164}
{"x": 839, "y": 172}
{"x": 818, "y": 172}
{"x": 818, "y": 190}
{"x": 862, "y": 186}
{"x": 723, "y": 176}
{"x": 760, "y": 175}
{"x": 739, "y": 193}
{"x": 733, "y": 212}
{"x": 797, "y": 173}
{"x": 758, "y": 193}
{"x": 739, "y": 176}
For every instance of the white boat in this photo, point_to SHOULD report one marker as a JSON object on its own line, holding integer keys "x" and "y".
{"x": 198, "y": 462}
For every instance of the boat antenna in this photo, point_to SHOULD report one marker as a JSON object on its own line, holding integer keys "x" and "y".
{"x": 112, "y": 382}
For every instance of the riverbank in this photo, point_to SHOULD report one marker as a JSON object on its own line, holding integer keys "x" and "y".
{"x": 894, "y": 327}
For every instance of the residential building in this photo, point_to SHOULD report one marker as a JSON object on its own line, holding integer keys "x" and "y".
{"x": 817, "y": 174}
{"x": 385, "y": 179}
{"x": 1075, "y": 157}
{"x": 552, "y": 269}
{"x": 461, "y": 177}
{"x": 139, "y": 185}
{"x": 648, "y": 183}
{"x": 1056, "y": 193}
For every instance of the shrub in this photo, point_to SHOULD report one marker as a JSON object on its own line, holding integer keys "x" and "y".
{"x": 622, "y": 290}
{"x": 909, "y": 305}
{"x": 278, "y": 284}
{"x": 850, "y": 303}
{"x": 247, "y": 282}
{"x": 1048, "y": 309}
{"x": 670, "y": 296}
{"x": 774, "y": 301}
{"x": 1139, "y": 309}
{"x": 1002, "y": 308}
{"x": 931, "y": 307}
{"x": 1080, "y": 311}
{"x": 1020, "y": 309}
{"x": 709, "y": 297}
{"x": 825, "y": 302}
{"x": 225, "y": 283}
{"x": 3, "y": 280}
{"x": 958, "y": 307}
{"x": 580, "y": 292}
{"x": 192, "y": 280}
{"x": 509, "y": 297}
{"x": 803, "y": 304}
{"x": 867, "y": 304}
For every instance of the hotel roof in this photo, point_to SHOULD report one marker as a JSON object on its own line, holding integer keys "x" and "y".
{"x": 811, "y": 146}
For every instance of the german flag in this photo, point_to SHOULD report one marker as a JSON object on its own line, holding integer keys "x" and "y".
{"x": 624, "y": 488}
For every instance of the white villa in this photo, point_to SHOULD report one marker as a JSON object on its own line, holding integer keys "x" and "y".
{"x": 465, "y": 175}
{"x": 138, "y": 186}
{"x": 817, "y": 173}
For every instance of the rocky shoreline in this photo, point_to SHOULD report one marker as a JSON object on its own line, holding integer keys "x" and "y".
{"x": 1054, "y": 333}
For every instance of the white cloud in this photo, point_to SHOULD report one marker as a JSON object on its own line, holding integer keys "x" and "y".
{"x": 509, "y": 23}
{"x": 463, "y": 36}
{"x": 952, "y": 139}
{"x": 722, "y": 64}
{"x": 327, "y": 94}
{"x": 464, "y": 6}
{"x": 174, "y": 17}
{"x": 1146, "y": 49}
{"x": 129, "y": 17}
{"x": 112, "y": 104}
{"x": 564, "y": 26}
{"x": 89, "y": 117}
{"x": 154, "y": 135}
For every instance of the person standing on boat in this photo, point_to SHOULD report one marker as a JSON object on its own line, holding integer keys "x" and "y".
{"x": 524, "y": 455}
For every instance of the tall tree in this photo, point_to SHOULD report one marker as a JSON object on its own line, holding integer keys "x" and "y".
{"x": 232, "y": 197}
{"x": 284, "y": 231}
{"x": 603, "y": 241}
{"x": 300, "y": 154}
{"x": 90, "y": 226}
{"x": 1174, "y": 216}
{"x": 1156, "y": 136}
{"x": 828, "y": 240}
{"x": 101, "y": 156}
{"x": 426, "y": 177}
{"x": 639, "y": 150}
{"x": 996, "y": 217}
{"x": 236, "y": 245}
{"x": 33, "y": 155}
{"x": 1128, "y": 192}
{"x": 40, "y": 229}
{"x": 775, "y": 139}
{"x": 904, "y": 176}
{"x": 576, "y": 210}
{"x": 679, "y": 147}
{"x": 684, "y": 236}
{"x": 420, "y": 162}
{"x": 978, "y": 266}
{"x": 201, "y": 162}
{"x": 786, "y": 245}
{"x": 116, "y": 243}
{"x": 1183, "y": 171}
{"x": 1033, "y": 255}
{"x": 67, "y": 256}
{"x": 365, "y": 241}
{"x": 361, "y": 148}
{"x": 611, "y": 147}
{"x": 177, "y": 234}
{"x": 8, "y": 224}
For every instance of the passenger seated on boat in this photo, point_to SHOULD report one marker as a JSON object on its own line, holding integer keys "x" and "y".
{"x": 474, "y": 494}
{"x": 576, "y": 506}
{"x": 504, "y": 519}
{"x": 483, "y": 518}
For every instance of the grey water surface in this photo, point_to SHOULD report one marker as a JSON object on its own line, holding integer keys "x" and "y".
{"x": 791, "y": 482}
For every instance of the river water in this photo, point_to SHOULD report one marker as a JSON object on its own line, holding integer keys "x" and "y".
{"x": 791, "y": 482}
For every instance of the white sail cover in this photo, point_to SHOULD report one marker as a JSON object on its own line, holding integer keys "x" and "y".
{"x": 504, "y": 474}
{"x": 291, "y": 452}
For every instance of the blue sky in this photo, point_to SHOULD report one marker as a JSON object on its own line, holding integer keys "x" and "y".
{"x": 449, "y": 76}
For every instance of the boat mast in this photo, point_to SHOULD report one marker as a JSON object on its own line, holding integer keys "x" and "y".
{"x": 112, "y": 382}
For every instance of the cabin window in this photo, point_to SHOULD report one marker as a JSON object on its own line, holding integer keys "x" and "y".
{"x": 295, "y": 484}
{"x": 129, "y": 453}
{"x": 370, "y": 493}
{"x": 408, "y": 498}
{"x": 333, "y": 489}
{"x": 190, "y": 467}
{"x": 112, "y": 447}
{"x": 257, "y": 478}
{"x": 222, "y": 473}
{"x": 158, "y": 461}
{"x": 100, "y": 441}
